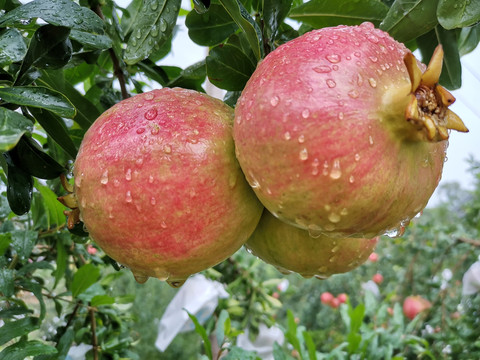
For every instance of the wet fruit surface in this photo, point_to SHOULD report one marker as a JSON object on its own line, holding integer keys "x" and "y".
{"x": 322, "y": 136}
{"x": 158, "y": 185}
{"x": 293, "y": 250}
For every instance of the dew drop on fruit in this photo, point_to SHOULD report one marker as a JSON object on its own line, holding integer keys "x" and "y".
{"x": 351, "y": 179}
{"x": 149, "y": 96}
{"x": 151, "y": 114}
{"x": 370, "y": 140}
{"x": 303, "y": 154}
{"x": 163, "y": 225}
{"x": 128, "y": 197}
{"x": 141, "y": 279}
{"x": 176, "y": 284}
{"x": 128, "y": 175}
{"x": 332, "y": 259}
{"x": 357, "y": 157}
{"x": 372, "y": 82}
{"x": 373, "y": 59}
{"x": 301, "y": 139}
{"x": 104, "y": 178}
{"x": 333, "y": 58}
{"x": 336, "y": 172}
{"x": 153, "y": 201}
{"x": 322, "y": 69}
{"x": 325, "y": 168}
{"x": 335, "y": 249}
{"x": 334, "y": 217}
{"x": 238, "y": 119}
{"x": 314, "y": 231}
{"x": 274, "y": 101}
{"x": 305, "y": 113}
{"x": 340, "y": 115}
{"x": 353, "y": 94}
{"x": 287, "y": 135}
{"x": 140, "y": 131}
{"x": 331, "y": 83}
{"x": 344, "y": 212}
{"x": 167, "y": 149}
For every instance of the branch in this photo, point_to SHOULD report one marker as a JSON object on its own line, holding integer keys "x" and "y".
{"x": 117, "y": 70}
{"x": 469, "y": 241}
{"x": 93, "y": 323}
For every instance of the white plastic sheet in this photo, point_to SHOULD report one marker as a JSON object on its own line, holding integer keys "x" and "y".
{"x": 471, "y": 279}
{"x": 263, "y": 344}
{"x": 199, "y": 296}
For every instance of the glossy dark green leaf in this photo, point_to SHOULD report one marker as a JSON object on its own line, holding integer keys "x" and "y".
{"x": 56, "y": 129}
{"x": 12, "y": 47}
{"x": 23, "y": 242}
{"x": 7, "y": 277}
{"x": 210, "y": 28}
{"x": 85, "y": 277}
{"x": 99, "y": 300}
{"x": 5, "y": 240}
{"x": 228, "y": 67}
{"x": 323, "y": 13}
{"x": 201, "y": 6}
{"x": 231, "y": 98}
{"x": 152, "y": 28}
{"x": 13, "y": 329}
{"x": 56, "y": 12}
{"x": 274, "y": 12}
{"x": 458, "y": 13}
{"x": 14, "y": 310}
{"x": 12, "y": 126}
{"x": 91, "y": 41}
{"x": 468, "y": 39}
{"x": 61, "y": 261}
{"x": 191, "y": 77}
{"x": 249, "y": 26}
{"x": 24, "y": 349}
{"x": 407, "y": 20}
{"x": 39, "y": 97}
{"x": 53, "y": 208}
{"x": 451, "y": 76}
{"x": 131, "y": 17}
{"x": 285, "y": 33}
{"x": 19, "y": 189}
{"x": 29, "y": 156}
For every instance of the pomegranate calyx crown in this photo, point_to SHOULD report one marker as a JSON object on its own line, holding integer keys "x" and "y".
{"x": 69, "y": 200}
{"x": 428, "y": 101}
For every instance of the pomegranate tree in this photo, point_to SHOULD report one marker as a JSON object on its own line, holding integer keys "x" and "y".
{"x": 291, "y": 249}
{"x": 159, "y": 188}
{"x": 342, "y": 131}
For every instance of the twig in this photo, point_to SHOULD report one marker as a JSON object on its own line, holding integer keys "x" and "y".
{"x": 469, "y": 241}
{"x": 93, "y": 323}
{"x": 117, "y": 70}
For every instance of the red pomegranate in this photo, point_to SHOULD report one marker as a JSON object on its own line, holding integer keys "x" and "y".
{"x": 291, "y": 249}
{"x": 413, "y": 305}
{"x": 326, "y": 297}
{"x": 158, "y": 186}
{"x": 342, "y": 298}
{"x": 377, "y": 278}
{"x": 342, "y": 131}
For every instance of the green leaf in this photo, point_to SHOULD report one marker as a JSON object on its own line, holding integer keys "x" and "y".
{"x": 468, "y": 39}
{"x": 5, "y": 240}
{"x": 91, "y": 41}
{"x": 291, "y": 333}
{"x": 29, "y": 156}
{"x": 274, "y": 12}
{"x": 12, "y": 47}
{"x": 203, "y": 333}
{"x": 99, "y": 300}
{"x": 61, "y": 261}
{"x": 278, "y": 353}
{"x": 39, "y": 97}
{"x": 19, "y": 188}
{"x": 53, "y": 208}
{"x": 31, "y": 267}
{"x": 23, "y": 242}
{"x": 451, "y": 76}
{"x": 228, "y": 67}
{"x": 12, "y": 126}
{"x": 312, "y": 352}
{"x": 210, "y": 28}
{"x": 407, "y": 19}
{"x": 458, "y": 13}
{"x": 55, "y": 127}
{"x": 191, "y": 77}
{"x": 152, "y": 28}
{"x": 235, "y": 353}
{"x": 13, "y": 329}
{"x": 323, "y": 13}
{"x": 7, "y": 277}
{"x": 85, "y": 277}
{"x": 55, "y": 12}
{"x": 24, "y": 349}
{"x": 245, "y": 21}
{"x": 220, "y": 329}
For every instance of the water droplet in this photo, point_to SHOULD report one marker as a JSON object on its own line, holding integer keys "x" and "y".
{"x": 353, "y": 94}
{"x": 325, "y": 168}
{"x": 149, "y": 96}
{"x": 333, "y": 58}
{"x": 176, "y": 284}
{"x": 351, "y": 179}
{"x": 333, "y": 259}
{"x": 370, "y": 140}
{"x": 150, "y": 179}
{"x": 238, "y": 119}
{"x": 373, "y": 59}
{"x": 359, "y": 80}
{"x": 336, "y": 172}
{"x": 357, "y": 157}
{"x": 274, "y": 101}
{"x": 331, "y": 83}
{"x": 305, "y": 113}
{"x": 287, "y": 135}
{"x": 356, "y": 53}
{"x": 128, "y": 197}
{"x": 301, "y": 139}
{"x": 140, "y": 130}
{"x": 340, "y": 115}
{"x": 141, "y": 279}
{"x": 163, "y": 225}
{"x": 151, "y": 114}
{"x": 335, "y": 67}
{"x": 335, "y": 249}
{"x": 334, "y": 217}
{"x": 322, "y": 69}
{"x": 303, "y": 154}
{"x": 128, "y": 175}
{"x": 153, "y": 201}
{"x": 104, "y": 179}
{"x": 344, "y": 212}
{"x": 163, "y": 25}
{"x": 372, "y": 82}
{"x": 314, "y": 231}
{"x": 327, "y": 207}
{"x": 167, "y": 149}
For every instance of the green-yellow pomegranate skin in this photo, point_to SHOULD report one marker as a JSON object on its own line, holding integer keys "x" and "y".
{"x": 291, "y": 249}
{"x": 321, "y": 134}
{"x": 158, "y": 185}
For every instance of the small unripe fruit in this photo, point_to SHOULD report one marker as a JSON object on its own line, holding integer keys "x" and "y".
{"x": 342, "y": 298}
{"x": 377, "y": 278}
{"x": 413, "y": 305}
{"x": 373, "y": 257}
{"x": 335, "y": 303}
{"x": 326, "y": 298}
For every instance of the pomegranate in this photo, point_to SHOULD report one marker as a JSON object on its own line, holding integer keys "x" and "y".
{"x": 342, "y": 298}
{"x": 413, "y": 305}
{"x": 158, "y": 186}
{"x": 373, "y": 257}
{"x": 377, "y": 278}
{"x": 291, "y": 249}
{"x": 342, "y": 131}
{"x": 326, "y": 297}
{"x": 335, "y": 303}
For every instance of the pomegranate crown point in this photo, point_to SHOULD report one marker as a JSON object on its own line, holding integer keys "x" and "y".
{"x": 428, "y": 104}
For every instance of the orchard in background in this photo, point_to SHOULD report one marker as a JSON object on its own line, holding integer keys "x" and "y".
{"x": 63, "y": 63}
